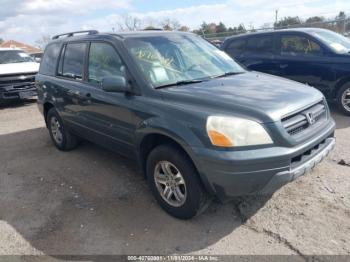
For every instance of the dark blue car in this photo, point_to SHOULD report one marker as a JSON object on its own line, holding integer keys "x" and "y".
{"x": 317, "y": 57}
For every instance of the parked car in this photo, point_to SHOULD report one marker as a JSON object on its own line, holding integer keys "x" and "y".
{"x": 17, "y": 75}
{"x": 37, "y": 56}
{"x": 317, "y": 57}
{"x": 197, "y": 124}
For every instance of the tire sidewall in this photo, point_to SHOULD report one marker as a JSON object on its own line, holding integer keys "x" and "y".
{"x": 339, "y": 98}
{"x": 193, "y": 188}
{"x": 53, "y": 113}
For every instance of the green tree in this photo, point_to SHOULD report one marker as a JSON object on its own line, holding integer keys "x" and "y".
{"x": 221, "y": 28}
{"x": 288, "y": 21}
{"x": 1, "y": 40}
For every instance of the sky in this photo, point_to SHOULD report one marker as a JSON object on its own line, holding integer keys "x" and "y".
{"x": 30, "y": 20}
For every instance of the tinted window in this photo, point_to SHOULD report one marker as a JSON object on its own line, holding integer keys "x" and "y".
{"x": 261, "y": 44}
{"x": 48, "y": 63}
{"x": 104, "y": 61}
{"x": 73, "y": 61}
{"x": 236, "y": 45}
{"x": 298, "y": 45}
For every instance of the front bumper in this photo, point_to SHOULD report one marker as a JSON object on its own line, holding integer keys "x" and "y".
{"x": 228, "y": 174}
{"x": 13, "y": 93}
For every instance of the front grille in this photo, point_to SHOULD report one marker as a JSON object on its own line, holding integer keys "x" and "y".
{"x": 305, "y": 119}
{"x": 18, "y": 81}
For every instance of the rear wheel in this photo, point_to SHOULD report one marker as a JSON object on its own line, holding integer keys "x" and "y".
{"x": 174, "y": 182}
{"x": 343, "y": 99}
{"x": 60, "y": 136}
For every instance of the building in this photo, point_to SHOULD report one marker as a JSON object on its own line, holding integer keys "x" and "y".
{"x": 26, "y": 48}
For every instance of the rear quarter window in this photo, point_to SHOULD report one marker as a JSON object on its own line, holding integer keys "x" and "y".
{"x": 49, "y": 61}
{"x": 73, "y": 61}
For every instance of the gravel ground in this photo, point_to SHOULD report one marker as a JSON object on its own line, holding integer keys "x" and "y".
{"x": 92, "y": 201}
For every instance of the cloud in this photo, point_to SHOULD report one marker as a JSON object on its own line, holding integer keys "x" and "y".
{"x": 30, "y": 19}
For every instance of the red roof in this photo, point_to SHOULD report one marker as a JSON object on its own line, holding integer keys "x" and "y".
{"x": 26, "y": 48}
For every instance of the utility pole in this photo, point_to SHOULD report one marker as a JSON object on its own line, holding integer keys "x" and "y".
{"x": 276, "y": 16}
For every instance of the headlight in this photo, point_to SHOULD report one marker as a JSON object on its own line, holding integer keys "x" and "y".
{"x": 233, "y": 131}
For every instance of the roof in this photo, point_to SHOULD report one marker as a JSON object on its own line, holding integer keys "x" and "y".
{"x": 127, "y": 34}
{"x": 15, "y": 44}
{"x": 298, "y": 29}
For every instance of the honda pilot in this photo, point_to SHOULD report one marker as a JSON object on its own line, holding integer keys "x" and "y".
{"x": 198, "y": 125}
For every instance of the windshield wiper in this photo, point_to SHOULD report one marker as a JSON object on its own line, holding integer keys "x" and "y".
{"x": 180, "y": 83}
{"x": 228, "y": 74}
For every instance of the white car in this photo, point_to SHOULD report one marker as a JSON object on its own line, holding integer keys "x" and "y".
{"x": 17, "y": 75}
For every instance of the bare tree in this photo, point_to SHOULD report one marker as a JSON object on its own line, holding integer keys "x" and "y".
{"x": 170, "y": 24}
{"x": 129, "y": 23}
{"x": 43, "y": 41}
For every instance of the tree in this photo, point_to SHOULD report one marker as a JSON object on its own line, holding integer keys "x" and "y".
{"x": 184, "y": 28}
{"x": 43, "y": 41}
{"x": 169, "y": 24}
{"x": 129, "y": 23}
{"x": 315, "y": 19}
{"x": 287, "y": 22}
{"x": 341, "y": 23}
{"x": 221, "y": 28}
{"x": 1, "y": 41}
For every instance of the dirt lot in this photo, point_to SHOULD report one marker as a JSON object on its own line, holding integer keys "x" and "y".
{"x": 92, "y": 201}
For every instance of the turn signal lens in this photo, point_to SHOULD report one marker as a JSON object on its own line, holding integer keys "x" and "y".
{"x": 218, "y": 139}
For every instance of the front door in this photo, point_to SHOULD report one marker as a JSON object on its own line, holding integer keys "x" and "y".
{"x": 303, "y": 59}
{"x": 108, "y": 116}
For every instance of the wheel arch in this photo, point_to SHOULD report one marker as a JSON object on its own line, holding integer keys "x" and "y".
{"x": 47, "y": 107}
{"x": 152, "y": 138}
{"x": 339, "y": 85}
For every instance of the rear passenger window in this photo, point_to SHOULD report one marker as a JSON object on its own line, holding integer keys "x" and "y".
{"x": 49, "y": 61}
{"x": 236, "y": 46}
{"x": 260, "y": 44}
{"x": 73, "y": 61}
{"x": 297, "y": 45}
{"x": 104, "y": 61}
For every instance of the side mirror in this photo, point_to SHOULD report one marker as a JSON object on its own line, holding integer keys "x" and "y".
{"x": 115, "y": 84}
{"x": 37, "y": 59}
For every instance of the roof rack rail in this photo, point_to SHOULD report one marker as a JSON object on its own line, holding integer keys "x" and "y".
{"x": 89, "y": 32}
{"x": 152, "y": 29}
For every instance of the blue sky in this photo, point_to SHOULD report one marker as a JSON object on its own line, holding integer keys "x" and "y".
{"x": 29, "y": 20}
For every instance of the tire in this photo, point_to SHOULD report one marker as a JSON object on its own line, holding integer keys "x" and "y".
{"x": 68, "y": 141}
{"x": 173, "y": 159}
{"x": 342, "y": 94}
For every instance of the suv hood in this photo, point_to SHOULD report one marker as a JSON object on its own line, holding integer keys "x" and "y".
{"x": 18, "y": 68}
{"x": 264, "y": 98}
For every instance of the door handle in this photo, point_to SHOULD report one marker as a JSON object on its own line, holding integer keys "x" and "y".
{"x": 283, "y": 66}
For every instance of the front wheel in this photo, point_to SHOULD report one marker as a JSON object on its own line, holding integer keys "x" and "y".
{"x": 174, "y": 182}
{"x": 343, "y": 99}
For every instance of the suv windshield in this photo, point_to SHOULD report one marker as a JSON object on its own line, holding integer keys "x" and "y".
{"x": 14, "y": 56}
{"x": 173, "y": 59}
{"x": 340, "y": 44}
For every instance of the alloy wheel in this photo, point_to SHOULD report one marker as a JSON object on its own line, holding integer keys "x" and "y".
{"x": 170, "y": 183}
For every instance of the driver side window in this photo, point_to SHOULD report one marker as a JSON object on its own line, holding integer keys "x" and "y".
{"x": 294, "y": 45}
{"x": 104, "y": 61}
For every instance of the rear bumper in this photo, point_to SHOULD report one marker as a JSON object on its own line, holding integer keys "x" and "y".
{"x": 12, "y": 93}
{"x": 228, "y": 174}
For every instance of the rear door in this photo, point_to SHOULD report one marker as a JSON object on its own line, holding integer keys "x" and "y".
{"x": 259, "y": 54}
{"x": 303, "y": 59}
{"x": 69, "y": 82}
{"x": 108, "y": 117}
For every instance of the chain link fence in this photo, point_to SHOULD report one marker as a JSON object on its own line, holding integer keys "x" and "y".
{"x": 341, "y": 26}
